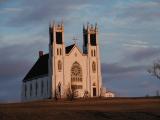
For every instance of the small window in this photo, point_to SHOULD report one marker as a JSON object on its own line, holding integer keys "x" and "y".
{"x": 25, "y": 90}
{"x": 60, "y": 51}
{"x": 31, "y": 89}
{"x": 42, "y": 85}
{"x": 57, "y": 51}
{"x": 36, "y": 87}
{"x": 91, "y": 52}
{"x": 94, "y": 53}
{"x": 94, "y": 67}
{"x": 47, "y": 86}
{"x": 59, "y": 65}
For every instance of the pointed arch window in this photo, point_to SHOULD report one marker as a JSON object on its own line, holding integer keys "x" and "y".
{"x": 94, "y": 52}
{"x": 36, "y": 87}
{"x": 91, "y": 52}
{"x": 76, "y": 75}
{"x": 94, "y": 66}
{"x": 42, "y": 87}
{"x": 25, "y": 90}
{"x": 31, "y": 89}
{"x": 59, "y": 65}
{"x": 57, "y": 51}
{"x": 60, "y": 51}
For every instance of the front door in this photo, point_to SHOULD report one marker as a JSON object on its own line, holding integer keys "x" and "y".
{"x": 94, "y": 92}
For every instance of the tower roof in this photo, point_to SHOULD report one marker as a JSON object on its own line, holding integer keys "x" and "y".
{"x": 40, "y": 68}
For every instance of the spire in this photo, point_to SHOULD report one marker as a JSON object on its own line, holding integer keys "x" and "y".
{"x": 83, "y": 26}
{"x": 96, "y": 25}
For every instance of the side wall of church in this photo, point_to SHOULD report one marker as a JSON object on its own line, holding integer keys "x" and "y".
{"x": 36, "y": 89}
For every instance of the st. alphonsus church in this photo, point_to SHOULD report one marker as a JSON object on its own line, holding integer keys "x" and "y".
{"x": 65, "y": 69}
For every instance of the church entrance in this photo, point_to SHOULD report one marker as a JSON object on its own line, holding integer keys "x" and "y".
{"x": 94, "y": 92}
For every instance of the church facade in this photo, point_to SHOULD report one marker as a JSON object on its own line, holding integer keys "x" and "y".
{"x": 65, "y": 69}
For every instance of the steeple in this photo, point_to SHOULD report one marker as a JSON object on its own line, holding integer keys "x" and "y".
{"x": 89, "y": 36}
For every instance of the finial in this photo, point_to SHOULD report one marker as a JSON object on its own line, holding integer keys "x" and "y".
{"x": 87, "y": 25}
{"x": 96, "y": 25}
{"x": 91, "y": 26}
{"x": 83, "y": 26}
{"x": 53, "y": 23}
{"x": 62, "y": 22}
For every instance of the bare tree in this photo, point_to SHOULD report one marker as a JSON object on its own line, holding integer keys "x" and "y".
{"x": 86, "y": 94}
{"x": 155, "y": 69}
{"x": 70, "y": 94}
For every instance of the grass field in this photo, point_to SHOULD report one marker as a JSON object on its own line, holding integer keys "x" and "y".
{"x": 90, "y": 109}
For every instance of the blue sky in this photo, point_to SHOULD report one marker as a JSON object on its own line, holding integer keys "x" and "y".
{"x": 129, "y": 33}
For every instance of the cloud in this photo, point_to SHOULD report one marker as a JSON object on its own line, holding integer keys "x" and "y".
{"x": 141, "y": 11}
{"x": 15, "y": 62}
{"x": 35, "y": 12}
{"x": 119, "y": 71}
{"x": 144, "y": 54}
{"x": 116, "y": 68}
{"x": 10, "y": 10}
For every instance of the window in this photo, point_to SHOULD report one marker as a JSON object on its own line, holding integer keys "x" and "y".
{"x": 76, "y": 72}
{"x": 59, "y": 37}
{"x": 25, "y": 90}
{"x": 94, "y": 67}
{"x": 31, "y": 89}
{"x": 59, "y": 65}
{"x": 36, "y": 88}
{"x": 76, "y": 87}
{"x": 42, "y": 85}
{"x": 94, "y": 53}
{"x": 47, "y": 86}
{"x": 60, "y": 51}
{"x": 91, "y": 52}
{"x": 93, "y": 39}
{"x": 57, "y": 51}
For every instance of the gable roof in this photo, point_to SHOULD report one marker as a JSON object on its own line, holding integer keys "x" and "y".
{"x": 69, "y": 48}
{"x": 40, "y": 68}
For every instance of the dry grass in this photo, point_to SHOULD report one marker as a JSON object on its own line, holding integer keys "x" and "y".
{"x": 90, "y": 109}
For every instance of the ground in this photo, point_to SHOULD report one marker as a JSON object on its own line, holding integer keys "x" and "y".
{"x": 90, "y": 109}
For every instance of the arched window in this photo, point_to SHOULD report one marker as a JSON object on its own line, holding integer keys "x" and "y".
{"x": 42, "y": 87}
{"x": 94, "y": 53}
{"x": 76, "y": 75}
{"x": 91, "y": 52}
{"x": 94, "y": 67}
{"x": 57, "y": 51}
{"x": 31, "y": 89}
{"x": 59, "y": 65}
{"x": 47, "y": 87}
{"x": 60, "y": 51}
{"x": 25, "y": 90}
{"x": 36, "y": 88}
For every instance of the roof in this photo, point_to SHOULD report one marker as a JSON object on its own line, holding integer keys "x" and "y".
{"x": 69, "y": 48}
{"x": 40, "y": 68}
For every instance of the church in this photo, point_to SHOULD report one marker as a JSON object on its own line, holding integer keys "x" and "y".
{"x": 65, "y": 69}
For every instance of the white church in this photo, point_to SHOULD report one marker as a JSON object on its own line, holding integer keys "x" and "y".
{"x": 65, "y": 69}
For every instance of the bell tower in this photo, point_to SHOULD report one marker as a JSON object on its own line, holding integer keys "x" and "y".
{"x": 56, "y": 61}
{"x": 91, "y": 49}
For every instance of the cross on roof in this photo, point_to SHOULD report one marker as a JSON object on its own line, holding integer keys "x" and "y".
{"x": 75, "y": 39}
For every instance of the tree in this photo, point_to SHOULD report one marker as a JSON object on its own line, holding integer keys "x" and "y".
{"x": 70, "y": 94}
{"x": 155, "y": 69}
